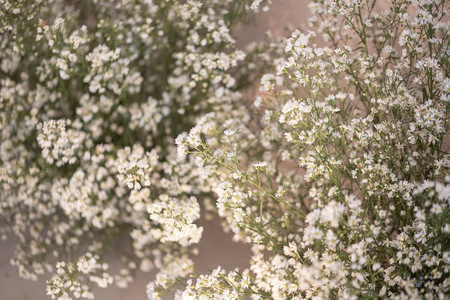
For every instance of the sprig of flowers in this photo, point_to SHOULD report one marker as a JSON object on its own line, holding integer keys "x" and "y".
{"x": 341, "y": 186}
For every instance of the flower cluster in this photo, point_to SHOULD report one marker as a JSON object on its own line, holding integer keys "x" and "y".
{"x": 58, "y": 144}
{"x": 92, "y": 96}
{"x": 342, "y": 185}
{"x": 135, "y": 166}
{"x": 63, "y": 282}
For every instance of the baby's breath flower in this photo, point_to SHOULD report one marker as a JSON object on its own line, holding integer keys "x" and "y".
{"x": 369, "y": 146}
{"x": 88, "y": 115}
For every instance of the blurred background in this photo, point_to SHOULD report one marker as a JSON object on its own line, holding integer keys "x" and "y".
{"x": 216, "y": 247}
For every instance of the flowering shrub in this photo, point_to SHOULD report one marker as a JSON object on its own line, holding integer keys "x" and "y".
{"x": 342, "y": 184}
{"x": 338, "y": 175}
{"x": 92, "y": 95}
